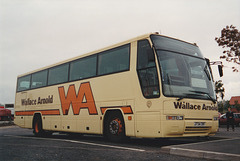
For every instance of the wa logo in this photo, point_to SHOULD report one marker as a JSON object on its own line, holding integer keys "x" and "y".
{"x": 82, "y": 99}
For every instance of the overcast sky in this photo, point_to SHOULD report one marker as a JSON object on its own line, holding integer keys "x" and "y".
{"x": 37, "y": 33}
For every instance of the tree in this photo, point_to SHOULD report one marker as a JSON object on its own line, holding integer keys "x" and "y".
{"x": 236, "y": 105}
{"x": 219, "y": 89}
{"x": 220, "y": 106}
{"x": 226, "y": 105}
{"x": 230, "y": 40}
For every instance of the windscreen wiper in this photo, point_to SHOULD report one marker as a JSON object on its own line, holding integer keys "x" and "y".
{"x": 200, "y": 92}
{"x": 196, "y": 93}
{"x": 180, "y": 98}
{"x": 188, "y": 95}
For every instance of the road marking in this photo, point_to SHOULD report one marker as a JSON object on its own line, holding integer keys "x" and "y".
{"x": 185, "y": 151}
{"x": 80, "y": 142}
{"x": 202, "y": 151}
{"x": 206, "y": 142}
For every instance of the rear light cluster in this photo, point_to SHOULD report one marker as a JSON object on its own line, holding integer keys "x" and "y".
{"x": 174, "y": 117}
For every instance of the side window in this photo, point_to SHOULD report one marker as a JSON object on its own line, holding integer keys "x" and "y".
{"x": 147, "y": 71}
{"x": 39, "y": 79}
{"x": 23, "y": 83}
{"x": 58, "y": 74}
{"x": 115, "y": 60}
{"x": 83, "y": 68}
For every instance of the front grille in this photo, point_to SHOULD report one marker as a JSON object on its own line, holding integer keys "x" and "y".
{"x": 193, "y": 130}
{"x": 198, "y": 119}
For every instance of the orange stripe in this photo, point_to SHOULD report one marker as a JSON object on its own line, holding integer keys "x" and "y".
{"x": 44, "y": 112}
{"x": 125, "y": 109}
{"x": 103, "y": 109}
{"x": 52, "y": 112}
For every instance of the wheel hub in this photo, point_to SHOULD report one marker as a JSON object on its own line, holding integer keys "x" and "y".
{"x": 115, "y": 126}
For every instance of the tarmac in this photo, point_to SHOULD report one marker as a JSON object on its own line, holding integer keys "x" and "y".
{"x": 225, "y": 145}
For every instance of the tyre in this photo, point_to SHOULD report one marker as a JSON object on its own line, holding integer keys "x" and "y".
{"x": 37, "y": 126}
{"x": 114, "y": 128}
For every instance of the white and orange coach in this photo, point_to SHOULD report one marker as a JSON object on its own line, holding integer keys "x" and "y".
{"x": 151, "y": 86}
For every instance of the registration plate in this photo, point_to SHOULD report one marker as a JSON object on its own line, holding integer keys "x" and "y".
{"x": 199, "y": 124}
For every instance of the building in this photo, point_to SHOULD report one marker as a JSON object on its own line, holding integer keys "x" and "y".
{"x": 233, "y": 101}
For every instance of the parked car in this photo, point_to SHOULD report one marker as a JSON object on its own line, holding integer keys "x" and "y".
{"x": 223, "y": 119}
{"x": 11, "y": 108}
{"x": 5, "y": 114}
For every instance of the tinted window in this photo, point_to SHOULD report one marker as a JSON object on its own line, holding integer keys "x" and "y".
{"x": 145, "y": 55}
{"x": 114, "y": 60}
{"x": 23, "y": 83}
{"x": 147, "y": 71}
{"x": 39, "y": 79}
{"x": 83, "y": 68}
{"x": 58, "y": 74}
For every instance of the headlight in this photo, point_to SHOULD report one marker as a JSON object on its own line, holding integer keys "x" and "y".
{"x": 174, "y": 117}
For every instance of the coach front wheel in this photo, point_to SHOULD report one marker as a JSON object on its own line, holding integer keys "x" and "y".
{"x": 114, "y": 127}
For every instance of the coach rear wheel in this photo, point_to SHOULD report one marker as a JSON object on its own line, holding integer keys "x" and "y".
{"x": 37, "y": 126}
{"x": 114, "y": 127}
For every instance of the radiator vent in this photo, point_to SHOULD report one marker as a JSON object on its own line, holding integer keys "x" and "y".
{"x": 193, "y": 130}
